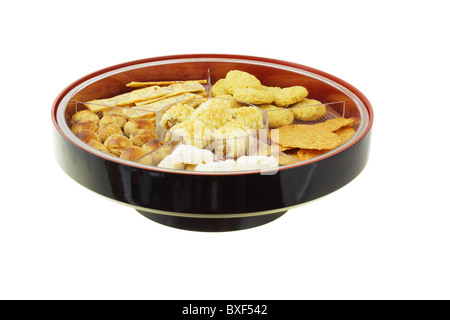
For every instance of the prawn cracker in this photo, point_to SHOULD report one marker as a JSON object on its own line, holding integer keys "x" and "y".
{"x": 307, "y": 137}
{"x": 336, "y": 123}
{"x": 345, "y": 133}
{"x": 306, "y": 154}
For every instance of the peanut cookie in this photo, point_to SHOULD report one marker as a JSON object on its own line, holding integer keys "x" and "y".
{"x": 308, "y": 110}
{"x": 254, "y": 96}
{"x": 278, "y": 117}
{"x": 236, "y": 79}
{"x": 290, "y": 95}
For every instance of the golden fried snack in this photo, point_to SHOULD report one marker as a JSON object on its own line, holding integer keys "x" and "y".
{"x": 251, "y": 117}
{"x": 290, "y": 95}
{"x": 140, "y": 137}
{"x": 107, "y": 130}
{"x": 193, "y": 131}
{"x": 158, "y": 151}
{"x": 236, "y": 79}
{"x": 336, "y": 123}
{"x": 214, "y": 113}
{"x": 107, "y": 111}
{"x": 306, "y": 154}
{"x": 113, "y": 118}
{"x": 149, "y": 109}
{"x": 278, "y": 116}
{"x": 151, "y": 145}
{"x": 98, "y": 145}
{"x": 218, "y": 89}
{"x": 84, "y": 125}
{"x": 273, "y": 90}
{"x": 85, "y": 115}
{"x": 88, "y": 135}
{"x": 345, "y": 133}
{"x": 305, "y": 137}
{"x": 233, "y": 103}
{"x": 177, "y": 113}
{"x": 308, "y": 110}
{"x": 254, "y": 96}
{"x": 132, "y": 153}
{"x": 137, "y": 124}
{"x": 190, "y": 167}
{"x": 231, "y": 139}
{"x": 145, "y": 95}
{"x": 117, "y": 143}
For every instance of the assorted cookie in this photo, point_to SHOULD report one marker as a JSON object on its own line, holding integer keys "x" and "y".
{"x": 125, "y": 125}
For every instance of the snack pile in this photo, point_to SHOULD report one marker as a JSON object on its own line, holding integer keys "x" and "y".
{"x": 222, "y": 123}
{"x": 242, "y": 125}
{"x": 289, "y": 112}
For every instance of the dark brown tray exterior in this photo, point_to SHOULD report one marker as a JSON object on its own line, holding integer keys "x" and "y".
{"x": 216, "y": 201}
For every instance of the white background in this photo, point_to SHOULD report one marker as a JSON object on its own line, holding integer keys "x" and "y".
{"x": 386, "y": 235}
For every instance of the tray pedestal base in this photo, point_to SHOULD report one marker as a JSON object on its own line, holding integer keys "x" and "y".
{"x": 212, "y": 224}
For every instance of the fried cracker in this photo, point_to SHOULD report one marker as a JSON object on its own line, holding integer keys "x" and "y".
{"x": 145, "y": 95}
{"x": 336, "y": 123}
{"x": 306, "y": 154}
{"x": 148, "y": 110}
{"x": 139, "y": 84}
{"x": 306, "y": 137}
{"x": 345, "y": 133}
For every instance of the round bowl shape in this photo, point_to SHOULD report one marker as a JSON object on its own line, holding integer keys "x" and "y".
{"x": 211, "y": 201}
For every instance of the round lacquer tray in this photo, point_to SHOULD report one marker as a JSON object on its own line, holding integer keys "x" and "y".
{"x": 212, "y": 201}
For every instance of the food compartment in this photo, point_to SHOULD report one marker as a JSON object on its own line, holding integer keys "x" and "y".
{"x": 151, "y": 120}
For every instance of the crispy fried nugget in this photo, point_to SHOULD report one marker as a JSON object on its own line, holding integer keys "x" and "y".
{"x": 253, "y": 96}
{"x": 278, "y": 117}
{"x": 290, "y": 95}
{"x": 236, "y": 79}
{"x": 308, "y": 110}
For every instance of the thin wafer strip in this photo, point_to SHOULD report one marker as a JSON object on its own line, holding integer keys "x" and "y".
{"x": 138, "y": 84}
{"x": 150, "y": 108}
{"x": 144, "y": 95}
{"x": 126, "y": 98}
